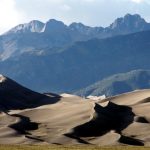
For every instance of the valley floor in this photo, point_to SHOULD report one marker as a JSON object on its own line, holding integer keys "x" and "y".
{"x": 52, "y": 147}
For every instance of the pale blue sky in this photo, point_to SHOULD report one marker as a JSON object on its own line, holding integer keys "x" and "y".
{"x": 89, "y": 12}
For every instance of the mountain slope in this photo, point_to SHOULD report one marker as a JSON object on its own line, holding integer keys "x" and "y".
{"x": 81, "y": 64}
{"x": 118, "y": 84}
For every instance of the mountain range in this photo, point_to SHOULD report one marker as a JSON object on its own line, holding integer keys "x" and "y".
{"x": 38, "y": 37}
{"x": 55, "y": 57}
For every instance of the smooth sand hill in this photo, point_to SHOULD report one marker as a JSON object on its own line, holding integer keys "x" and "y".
{"x": 69, "y": 119}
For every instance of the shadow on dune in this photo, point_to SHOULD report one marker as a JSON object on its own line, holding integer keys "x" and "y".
{"x": 13, "y": 101}
{"x": 24, "y": 125}
{"x": 112, "y": 117}
{"x": 14, "y": 96}
{"x": 130, "y": 141}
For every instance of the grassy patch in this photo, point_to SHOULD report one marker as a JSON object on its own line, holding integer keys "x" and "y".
{"x": 52, "y": 147}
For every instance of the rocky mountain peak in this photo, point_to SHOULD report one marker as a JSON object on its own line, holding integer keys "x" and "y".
{"x": 130, "y": 23}
{"x": 53, "y": 25}
{"x": 32, "y": 26}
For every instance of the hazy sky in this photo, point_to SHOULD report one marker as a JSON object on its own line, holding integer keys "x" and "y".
{"x": 89, "y": 12}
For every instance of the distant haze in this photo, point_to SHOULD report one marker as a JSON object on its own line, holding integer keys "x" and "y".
{"x": 89, "y": 12}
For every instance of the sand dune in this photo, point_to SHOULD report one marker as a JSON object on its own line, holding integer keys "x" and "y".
{"x": 130, "y": 98}
{"x": 27, "y": 117}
